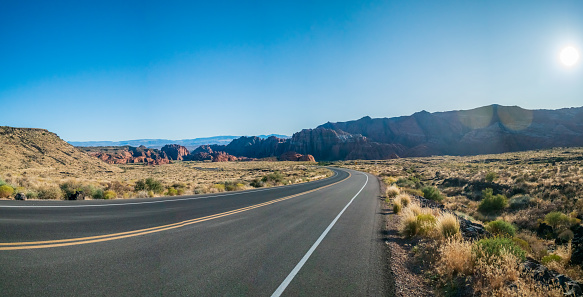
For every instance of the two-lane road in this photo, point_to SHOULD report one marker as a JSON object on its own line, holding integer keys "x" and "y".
{"x": 315, "y": 239}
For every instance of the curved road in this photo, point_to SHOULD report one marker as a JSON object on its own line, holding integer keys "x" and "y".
{"x": 320, "y": 238}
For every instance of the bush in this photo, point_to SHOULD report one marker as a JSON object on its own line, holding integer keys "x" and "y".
{"x": 98, "y": 194}
{"x": 432, "y": 193}
{"x": 566, "y": 236}
{"x": 406, "y": 183}
{"x": 32, "y": 195}
{"x": 109, "y": 194}
{"x": 256, "y": 183}
{"x": 50, "y": 193}
{"x": 488, "y": 248}
{"x": 392, "y": 192}
{"x": 551, "y": 258}
{"x": 220, "y": 187}
{"x": 448, "y": 225}
{"x": 492, "y": 203}
{"x": 275, "y": 178}
{"x": 171, "y": 192}
{"x": 491, "y": 176}
{"x": 520, "y": 202}
{"x": 560, "y": 220}
{"x": 501, "y": 228}
{"x": 154, "y": 185}
{"x": 6, "y": 191}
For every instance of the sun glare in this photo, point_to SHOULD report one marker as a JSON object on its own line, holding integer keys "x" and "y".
{"x": 569, "y": 56}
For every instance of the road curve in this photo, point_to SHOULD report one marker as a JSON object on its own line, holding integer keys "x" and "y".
{"x": 314, "y": 239}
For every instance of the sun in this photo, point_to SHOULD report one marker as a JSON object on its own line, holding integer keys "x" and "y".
{"x": 569, "y": 56}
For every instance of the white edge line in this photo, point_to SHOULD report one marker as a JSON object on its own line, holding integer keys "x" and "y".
{"x": 299, "y": 266}
{"x": 151, "y": 202}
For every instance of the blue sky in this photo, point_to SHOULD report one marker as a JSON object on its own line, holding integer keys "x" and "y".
{"x": 154, "y": 69}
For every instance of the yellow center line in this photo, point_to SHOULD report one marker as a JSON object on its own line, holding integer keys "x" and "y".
{"x": 107, "y": 237}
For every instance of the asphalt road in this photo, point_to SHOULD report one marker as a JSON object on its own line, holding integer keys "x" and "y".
{"x": 316, "y": 239}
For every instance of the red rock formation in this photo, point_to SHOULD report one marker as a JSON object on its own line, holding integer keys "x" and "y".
{"x": 223, "y": 157}
{"x": 175, "y": 151}
{"x": 293, "y": 156}
{"x": 128, "y": 154}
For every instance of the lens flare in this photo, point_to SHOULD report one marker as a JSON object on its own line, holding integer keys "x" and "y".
{"x": 569, "y": 56}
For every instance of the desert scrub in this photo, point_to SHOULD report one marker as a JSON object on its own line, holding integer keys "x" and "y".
{"x": 397, "y": 205}
{"x": 560, "y": 221}
{"x": 6, "y": 191}
{"x": 432, "y": 193}
{"x": 421, "y": 224}
{"x": 490, "y": 248}
{"x": 455, "y": 259}
{"x": 551, "y": 258}
{"x": 448, "y": 225}
{"x": 392, "y": 192}
{"x": 109, "y": 194}
{"x": 404, "y": 198}
{"x": 492, "y": 203}
{"x": 501, "y": 228}
{"x": 171, "y": 192}
{"x": 149, "y": 184}
{"x": 50, "y": 193}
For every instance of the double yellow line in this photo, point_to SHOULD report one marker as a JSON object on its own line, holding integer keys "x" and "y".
{"x": 107, "y": 237}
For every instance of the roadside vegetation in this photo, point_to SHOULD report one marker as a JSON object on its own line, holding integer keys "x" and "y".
{"x": 141, "y": 181}
{"x": 530, "y": 202}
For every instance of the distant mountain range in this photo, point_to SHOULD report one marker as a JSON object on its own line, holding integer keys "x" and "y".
{"x": 484, "y": 130}
{"x": 191, "y": 144}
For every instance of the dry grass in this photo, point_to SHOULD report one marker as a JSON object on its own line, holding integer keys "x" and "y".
{"x": 187, "y": 177}
{"x": 455, "y": 259}
{"x": 448, "y": 226}
{"x": 392, "y": 192}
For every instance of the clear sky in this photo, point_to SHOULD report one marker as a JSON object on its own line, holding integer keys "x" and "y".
{"x": 117, "y": 70}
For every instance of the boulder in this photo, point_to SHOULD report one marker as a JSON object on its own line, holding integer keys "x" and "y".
{"x": 20, "y": 196}
{"x": 577, "y": 245}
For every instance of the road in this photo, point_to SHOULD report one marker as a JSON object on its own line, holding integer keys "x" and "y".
{"x": 320, "y": 238}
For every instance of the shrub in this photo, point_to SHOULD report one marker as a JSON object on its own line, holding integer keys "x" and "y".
{"x": 98, "y": 194}
{"x": 520, "y": 202}
{"x": 405, "y": 199}
{"x": 6, "y": 191}
{"x": 392, "y": 192}
{"x": 50, "y": 193}
{"x": 154, "y": 185}
{"x": 523, "y": 244}
{"x": 32, "y": 195}
{"x": 566, "y": 236}
{"x": 402, "y": 182}
{"x": 551, "y": 258}
{"x": 488, "y": 248}
{"x": 171, "y": 192}
{"x": 219, "y": 187}
{"x": 491, "y": 176}
{"x": 432, "y": 193}
{"x": 492, "y": 203}
{"x": 140, "y": 186}
{"x": 142, "y": 194}
{"x": 448, "y": 225}
{"x": 2, "y": 182}
{"x": 256, "y": 183}
{"x": 109, "y": 194}
{"x": 275, "y": 177}
{"x": 560, "y": 220}
{"x": 501, "y": 228}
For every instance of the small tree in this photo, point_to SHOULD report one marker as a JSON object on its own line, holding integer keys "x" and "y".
{"x": 492, "y": 203}
{"x": 491, "y": 176}
{"x": 432, "y": 193}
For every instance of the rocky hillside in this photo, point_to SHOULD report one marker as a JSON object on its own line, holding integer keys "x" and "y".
{"x": 484, "y": 130}
{"x": 25, "y": 149}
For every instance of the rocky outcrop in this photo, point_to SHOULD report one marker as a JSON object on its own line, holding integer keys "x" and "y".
{"x": 128, "y": 154}
{"x": 175, "y": 151}
{"x": 223, "y": 157}
{"x": 20, "y": 196}
{"x": 484, "y": 130}
{"x": 293, "y": 156}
